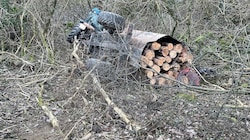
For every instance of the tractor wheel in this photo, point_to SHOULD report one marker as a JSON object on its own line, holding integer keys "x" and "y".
{"x": 111, "y": 21}
{"x": 74, "y": 32}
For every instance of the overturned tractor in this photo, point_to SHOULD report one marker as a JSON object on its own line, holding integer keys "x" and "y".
{"x": 164, "y": 59}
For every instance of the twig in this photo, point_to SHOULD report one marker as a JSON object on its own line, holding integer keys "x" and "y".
{"x": 6, "y": 129}
{"x": 24, "y": 93}
{"x": 52, "y": 118}
{"x": 228, "y": 61}
{"x": 114, "y": 106}
{"x": 241, "y": 105}
{"x": 89, "y": 4}
{"x": 76, "y": 45}
{"x": 221, "y": 88}
{"x": 236, "y": 106}
{"x": 66, "y": 137}
{"x": 42, "y": 80}
{"x": 50, "y": 15}
{"x": 24, "y": 61}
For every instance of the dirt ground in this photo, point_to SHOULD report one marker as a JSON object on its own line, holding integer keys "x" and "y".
{"x": 176, "y": 112}
{"x": 32, "y": 87}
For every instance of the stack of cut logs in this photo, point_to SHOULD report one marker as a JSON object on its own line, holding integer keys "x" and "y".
{"x": 161, "y": 60}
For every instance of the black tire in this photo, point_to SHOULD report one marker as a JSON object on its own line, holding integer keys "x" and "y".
{"x": 74, "y": 32}
{"x": 111, "y": 21}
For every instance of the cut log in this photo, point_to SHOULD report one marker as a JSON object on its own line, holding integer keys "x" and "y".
{"x": 168, "y": 59}
{"x": 172, "y": 53}
{"x": 155, "y": 73}
{"x": 161, "y": 81}
{"x": 166, "y": 66}
{"x": 185, "y": 57}
{"x": 143, "y": 64}
{"x": 178, "y": 48}
{"x": 156, "y": 68}
{"x": 146, "y": 62}
{"x": 162, "y": 54}
{"x": 164, "y": 51}
{"x": 150, "y": 54}
{"x": 176, "y": 66}
{"x": 149, "y": 74}
{"x": 168, "y": 81}
{"x": 154, "y": 50}
{"x": 182, "y": 59}
{"x": 159, "y": 61}
{"x": 170, "y": 46}
{"x": 170, "y": 73}
{"x": 161, "y": 58}
{"x": 175, "y": 74}
{"x": 190, "y": 58}
{"x": 155, "y": 46}
{"x": 152, "y": 81}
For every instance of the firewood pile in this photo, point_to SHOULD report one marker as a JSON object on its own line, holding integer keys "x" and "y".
{"x": 163, "y": 58}
{"x": 166, "y": 57}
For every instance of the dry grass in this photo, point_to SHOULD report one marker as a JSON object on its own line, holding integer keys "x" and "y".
{"x": 36, "y": 69}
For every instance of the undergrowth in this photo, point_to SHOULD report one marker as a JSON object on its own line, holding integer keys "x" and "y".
{"x": 35, "y": 55}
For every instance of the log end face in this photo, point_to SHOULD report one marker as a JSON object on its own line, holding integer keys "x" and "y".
{"x": 169, "y": 57}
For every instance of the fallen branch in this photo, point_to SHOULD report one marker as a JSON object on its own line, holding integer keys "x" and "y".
{"x": 52, "y": 118}
{"x": 214, "y": 85}
{"x": 236, "y": 106}
{"x": 114, "y": 106}
{"x": 19, "y": 58}
{"x": 240, "y": 105}
{"x": 76, "y": 45}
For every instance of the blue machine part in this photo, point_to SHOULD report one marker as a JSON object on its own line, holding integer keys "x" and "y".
{"x": 93, "y": 17}
{"x": 96, "y": 10}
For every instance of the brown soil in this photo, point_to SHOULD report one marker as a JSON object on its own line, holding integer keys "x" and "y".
{"x": 164, "y": 112}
